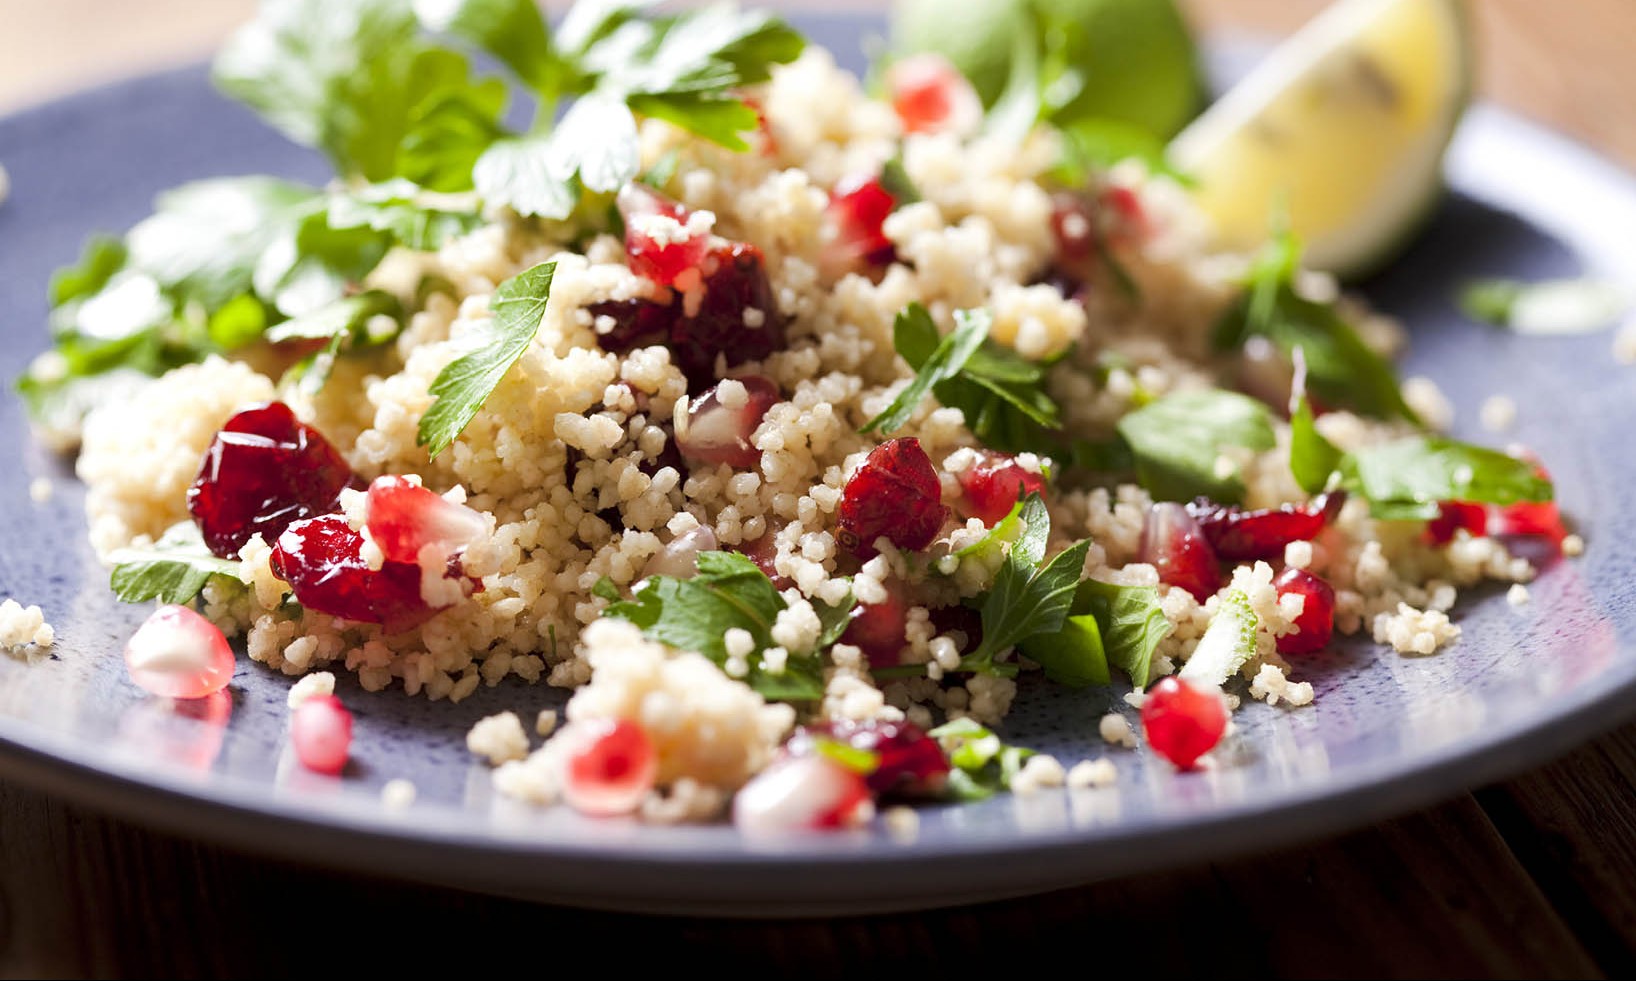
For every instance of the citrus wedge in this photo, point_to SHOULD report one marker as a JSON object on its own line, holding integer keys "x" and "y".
{"x": 1343, "y": 127}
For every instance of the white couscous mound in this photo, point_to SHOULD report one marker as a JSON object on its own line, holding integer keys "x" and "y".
{"x": 593, "y": 470}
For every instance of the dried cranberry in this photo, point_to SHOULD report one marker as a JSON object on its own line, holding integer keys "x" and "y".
{"x": 880, "y": 629}
{"x": 321, "y": 558}
{"x": 910, "y": 763}
{"x": 946, "y": 619}
{"x": 1317, "y": 619}
{"x": 895, "y": 494}
{"x": 636, "y": 323}
{"x": 994, "y": 484}
{"x": 1238, "y": 535}
{"x": 263, "y": 471}
{"x": 1183, "y": 721}
{"x": 1173, "y": 544}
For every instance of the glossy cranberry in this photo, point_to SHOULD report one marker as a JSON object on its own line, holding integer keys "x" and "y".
{"x": 321, "y": 560}
{"x": 895, "y": 494}
{"x": 263, "y": 471}
{"x": 1238, "y": 535}
{"x": 910, "y": 763}
{"x": 1173, "y": 544}
{"x": 1317, "y": 619}
{"x": 948, "y": 619}
{"x": 717, "y": 432}
{"x": 880, "y": 629}
{"x": 931, "y": 96}
{"x": 994, "y": 484}
{"x": 177, "y": 653}
{"x": 1183, "y": 721}
{"x": 321, "y": 734}
{"x": 610, "y": 767}
{"x": 857, "y": 211}
{"x": 658, "y": 243}
{"x": 636, "y": 323}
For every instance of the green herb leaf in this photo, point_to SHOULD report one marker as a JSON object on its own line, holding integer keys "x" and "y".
{"x": 1405, "y": 479}
{"x": 1552, "y": 306}
{"x": 524, "y": 175}
{"x": 607, "y": 589}
{"x": 1073, "y": 656}
{"x": 1312, "y": 458}
{"x": 348, "y": 324}
{"x": 172, "y": 570}
{"x": 945, "y": 361}
{"x": 102, "y": 257}
{"x": 833, "y": 620}
{"x": 1176, "y": 441}
{"x": 403, "y": 211}
{"x": 983, "y": 764}
{"x": 695, "y": 614}
{"x": 1131, "y": 623}
{"x": 894, "y": 180}
{"x": 1342, "y": 370}
{"x": 1026, "y": 599}
{"x": 511, "y": 30}
{"x": 462, "y": 387}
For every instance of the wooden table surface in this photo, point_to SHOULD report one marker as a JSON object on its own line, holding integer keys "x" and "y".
{"x": 1533, "y": 877}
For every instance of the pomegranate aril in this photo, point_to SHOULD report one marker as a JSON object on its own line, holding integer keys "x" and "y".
{"x": 908, "y": 762}
{"x": 321, "y": 558}
{"x": 610, "y": 767}
{"x": 263, "y": 471}
{"x": 1182, "y": 721}
{"x": 993, "y": 486}
{"x": 177, "y": 653}
{"x": 857, "y": 211}
{"x": 321, "y": 734}
{"x": 930, "y": 95}
{"x": 1317, "y": 619}
{"x": 802, "y": 793}
{"x": 1173, "y": 544}
{"x": 403, "y": 518}
{"x": 1453, "y": 516}
{"x": 660, "y": 242}
{"x": 680, "y": 558}
{"x": 895, "y": 494}
{"x": 763, "y": 552}
{"x": 715, "y": 431}
{"x": 1238, "y": 535}
{"x": 879, "y": 629}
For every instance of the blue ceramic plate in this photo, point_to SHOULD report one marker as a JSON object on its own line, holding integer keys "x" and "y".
{"x": 1387, "y": 733}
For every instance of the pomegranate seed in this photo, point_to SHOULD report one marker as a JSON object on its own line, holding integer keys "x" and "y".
{"x": 1084, "y": 227}
{"x": 321, "y": 560}
{"x": 763, "y": 552}
{"x": 1073, "y": 225}
{"x": 1173, "y": 544}
{"x": 895, "y": 494}
{"x": 1452, "y": 516}
{"x": 404, "y": 518}
{"x": 1124, "y": 220}
{"x": 799, "y": 793}
{"x": 1183, "y": 721}
{"x": 857, "y": 211}
{"x": 660, "y": 243}
{"x": 177, "y": 653}
{"x": 610, "y": 767}
{"x": 1317, "y": 619}
{"x": 1238, "y": 535}
{"x": 993, "y": 486}
{"x": 714, "y": 432}
{"x": 321, "y": 733}
{"x": 680, "y": 558}
{"x": 263, "y": 471}
{"x": 880, "y": 629}
{"x": 931, "y": 96}
{"x": 910, "y": 763}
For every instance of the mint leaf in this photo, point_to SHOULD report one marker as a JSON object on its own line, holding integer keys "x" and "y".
{"x": 511, "y": 30}
{"x": 404, "y": 211}
{"x": 171, "y": 570}
{"x": 1176, "y": 441}
{"x": 607, "y": 589}
{"x": 695, "y": 614}
{"x": 1025, "y": 598}
{"x": 982, "y": 764}
{"x": 1312, "y": 458}
{"x": 1405, "y": 479}
{"x": 452, "y": 119}
{"x": 1073, "y": 656}
{"x": 833, "y": 620}
{"x": 463, "y": 385}
{"x": 945, "y": 362}
{"x": 1342, "y": 370}
{"x": 1131, "y": 623}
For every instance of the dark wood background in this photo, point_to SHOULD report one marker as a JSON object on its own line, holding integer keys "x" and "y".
{"x": 1529, "y": 878}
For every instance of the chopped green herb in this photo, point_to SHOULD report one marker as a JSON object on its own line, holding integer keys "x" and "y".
{"x": 1178, "y": 442}
{"x": 1312, "y": 459}
{"x": 1026, "y": 598}
{"x": 172, "y": 570}
{"x": 945, "y": 362}
{"x": 894, "y": 180}
{"x": 462, "y": 387}
{"x": 1405, "y": 479}
{"x": 607, "y": 589}
{"x": 1131, "y": 623}
{"x": 1553, "y": 306}
{"x": 982, "y": 764}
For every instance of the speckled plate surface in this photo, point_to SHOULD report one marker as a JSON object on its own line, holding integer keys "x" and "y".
{"x": 1387, "y": 733}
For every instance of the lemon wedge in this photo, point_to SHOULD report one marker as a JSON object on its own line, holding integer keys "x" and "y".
{"x": 1343, "y": 126}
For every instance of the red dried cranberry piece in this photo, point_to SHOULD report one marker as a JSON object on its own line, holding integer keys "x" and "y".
{"x": 263, "y": 471}
{"x": 895, "y": 493}
{"x": 962, "y": 618}
{"x": 880, "y": 629}
{"x": 1238, "y": 535}
{"x": 636, "y": 323}
{"x": 911, "y": 763}
{"x": 1317, "y": 619}
{"x": 1173, "y": 544}
{"x": 321, "y": 558}
{"x": 994, "y": 484}
{"x": 738, "y": 318}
